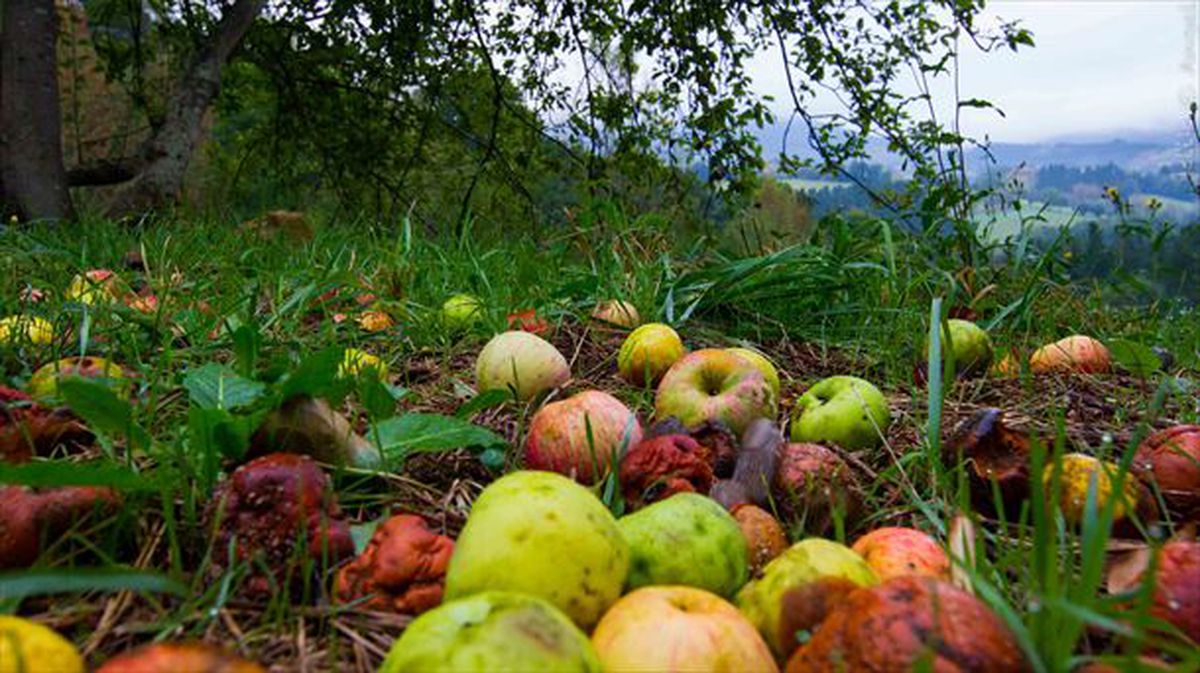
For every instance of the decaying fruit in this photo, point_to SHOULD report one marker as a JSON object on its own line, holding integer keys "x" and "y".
{"x": 687, "y": 539}
{"x": 808, "y": 570}
{"x": 659, "y": 467}
{"x": 764, "y": 365}
{"x": 1170, "y": 460}
{"x": 279, "y": 506}
{"x": 28, "y": 428}
{"x": 1176, "y": 597}
{"x": 30, "y": 518}
{"x": 813, "y": 486}
{"x": 311, "y": 427}
{"x": 179, "y": 658}
{"x": 43, "y": 384}
{"x": 1077, "y": 353}
{"x": 16, "y": 330}
{"x": 582, "y": 436}
{"x": 403, "y": 568}
{"x": 911, "y": 623}
{"x": 896, "y": 552}
{"x": 1078, "y": 473}
{"x": 754, "y": 471}
{"x": 648, "y": 352}
{"x": 29, "y": 647}
{"x": 492, "y": 631}
{"x": 996, "y": 455}
{"x": 542, "y": 534}
{"x": 96, "y": 287}
{"x": 765, "y": 537}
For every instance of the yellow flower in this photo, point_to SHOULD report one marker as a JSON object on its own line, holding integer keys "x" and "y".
{"x": 356, "y": 363}
{"x": 17, "y": 328}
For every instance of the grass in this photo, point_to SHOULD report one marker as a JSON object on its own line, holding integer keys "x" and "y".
{"x": 853, "y": 301}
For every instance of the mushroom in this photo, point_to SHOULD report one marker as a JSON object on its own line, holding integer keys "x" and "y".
{"x": 176, "y": 657}
{"x": 660, "y": 467}
{"x": 28, "y": 517}
{"x": 403, "y": 568}
{"x": 279, "y": 506}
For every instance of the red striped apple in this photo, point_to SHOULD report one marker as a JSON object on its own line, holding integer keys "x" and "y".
{"x": 558, "y": 438}
{"x": 714, "y": 385}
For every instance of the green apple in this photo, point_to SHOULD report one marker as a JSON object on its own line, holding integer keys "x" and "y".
{"x": 461, "y": 311}
{"x": 521, "y": 362}
{"x": 764, "y": 365}
{"x": 820, "y": 566}
{"x": 43, "y": 384}
{"x": 541, "y": 534}
{"x": 648, "y": 352}
{"x": 492, "y": 631}
{"x": 969, "y": 346}
{"x": 687, "y": 539}
{"x": 714, "y": 385}
{"x": 845, "y": 410}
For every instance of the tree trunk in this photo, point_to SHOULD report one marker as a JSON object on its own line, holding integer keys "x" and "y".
{"x": 31, "y": 163}
{"x": 170, "y": 150}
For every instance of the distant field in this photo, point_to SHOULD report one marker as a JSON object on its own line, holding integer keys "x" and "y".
{"x": 1004, "y": 224}
{"x": 813, "y": 185}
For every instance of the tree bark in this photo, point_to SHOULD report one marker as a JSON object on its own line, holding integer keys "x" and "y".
{"x": 31, "y": 162}
{"x": 170, "y": 150}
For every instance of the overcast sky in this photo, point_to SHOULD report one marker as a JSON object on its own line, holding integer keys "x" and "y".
{"x": 1099, "y": 67}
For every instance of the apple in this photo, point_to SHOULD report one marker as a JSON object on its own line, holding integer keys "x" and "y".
{"x": 845, "y": 410}
{"x": 714, "y": 385}
{"x": 461, "y": 311}
{"x": 492, "y": 631}
{"x": 29, "y": 647}
{"x": 616, "y": 313}
{"x": 765, "y": 537}
{"x": 763, "y": 364}
{"x": 1078, "y": 353}
{"x": 356, "y": 362}
{"x": 648, "y": 352}
{"x": 679, "y": 629}
{"x": 521, "y": 362}
{"x": 542, "y": 534}
{"x": 807, "y": 569}
{"x": 20, "y": 329}
{"x": 43, "y": 384}
{"x": 968, "y": 345}
{"x": 897, "y": 551}
{"x": 558, "y": 439}
{"x": 97, "y": 286}
{"x": 1078, "y": 474}
{"x": 687, "y": 539}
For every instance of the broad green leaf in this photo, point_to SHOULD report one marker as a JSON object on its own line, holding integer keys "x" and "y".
{"x": 102, "y": 410}
{"x": 22, "y": 583}
{"x": 61, "y": 473}
{"x": 317, "y": 376}
{"x": 1133, "y": 357}
{"x": 415, "y": 433}
{"x": 247, "y": 342}
{"x": 216, "y": 386}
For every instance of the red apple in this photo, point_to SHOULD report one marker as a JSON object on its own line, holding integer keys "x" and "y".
{"x": 896, "y": 551}
{"x": 558, "y": 436}
{"x": 714, "y": 385}
{"x": 679, "y": 628}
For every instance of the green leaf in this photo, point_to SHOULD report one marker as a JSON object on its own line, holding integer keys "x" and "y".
{"x": 216, "y": 386}
{"x": 218, "y": 432}
{"x": 102, "y": 410}
{"x": 60, "y": 473}
{"x": 417, "y": 433}
{"x": 22, "y": 583}
{"x": 361, "y": 533}
{"x": 1133, "y": 357}
{"x": 317, "y": 376}
{"x": 376, "y": 397}
{"x": 247, "y": 342}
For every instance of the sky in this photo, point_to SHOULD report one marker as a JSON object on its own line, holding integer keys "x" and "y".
{"x": 1101, "y": 68}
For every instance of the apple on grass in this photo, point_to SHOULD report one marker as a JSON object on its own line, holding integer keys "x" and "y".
{"x": 521, "y": 362}
{"x": 764, "y": 365}
{"x": 967, "y": 345}
{"x": 648, "y": 352}
{"x": 582, "y": 436}
{"x": 714, "y": 385}
{"x": 676, "y": 628}
{"x": 461, "y": 311}
{"x": 845, "y": 410}
{"x": 616, "y": 313}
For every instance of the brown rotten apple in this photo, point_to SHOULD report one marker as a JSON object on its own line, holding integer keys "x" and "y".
{"x": 281, "y": 507}
{"x": 1170, "y": 459}
{"x": 403, "y": 568}
{"x": 765, "y": 537}
{"x": 910, "y": 623}
{"x": 813, "y": 485}
{"x": 28, "y": 428}
{"x": 659, "y": 467}
{"x": 29, "y": 518}
{"x": 559, "y": 441}
{"x": 1176, "y": 597}
{"x": 714, "y": 384}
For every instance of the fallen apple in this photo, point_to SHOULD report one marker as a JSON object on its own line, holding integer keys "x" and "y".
{"x": 896, "y": 552}
{"x": 309, "y": 426}
{"x": 356, "y": 362}
{"x": 687, "y": 539}
{"x": 541, "y": 534}
{"x": 765, "y": 537}
{"x": 1078, "y": 353}
{"x": 764, "y": 365}
{"x": 676, "y": 629}
{"x": 1170, "y": 460}
{"x": 492, "y": 631}
{"x": 29, "y": 647}
{"x": 96, "y": 287}
{"x": 814, "y": 487}
{"x": 43, "y": 384}
{"x": 461, "y": 311}
{"x": 659, "y": 467}
{"x": 1078, "y": 473}
{"x": 967, "y": 345}
{"x": 520, "y": 362}
{"x": 817, "y": 562}
{"x": 16, "y": 330}
{"x": 583, "y": 436}
{"x": 647, "y": 353}
{"x": 845, "y": 410}
{"x": 616, "y": 313}
{"x": 1175, "y": 597}
{"x": 186, "y": 657}
{"x": 714, "y": 385}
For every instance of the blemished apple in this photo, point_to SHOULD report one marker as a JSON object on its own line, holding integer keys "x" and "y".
{"x": 764, "y": 365}
{"x": 815, "y": 565}
{"x": 712, "y": 384}
{"x": 43, "y": 384}
{"x": 968, "y": 345}
{"x": 1077, "y": 353}
{"x": 895, "y": 551}
{"x": 845, "y": 410}
{"x": 521, "y": 362}
{"x": 679, "y": 629}
{"x": 357, "y": 362}
{"x": 542, "y": 534}
{"x": 461, "y": 311}
{"x": 558, "y": 439}
{"x": 648, "y": 352}
{"x": 688, "y": 539}
{"x": 1077, "y": 474}
{"x": 617, "y": 313}
{"x": 492, "y": 631}
{"x": 25, "y": 329}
